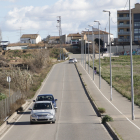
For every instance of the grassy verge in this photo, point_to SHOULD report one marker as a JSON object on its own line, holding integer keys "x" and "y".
{"x": 121, "y": 75}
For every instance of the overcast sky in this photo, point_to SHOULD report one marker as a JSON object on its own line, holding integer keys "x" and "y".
{"x": 39, "y": 16}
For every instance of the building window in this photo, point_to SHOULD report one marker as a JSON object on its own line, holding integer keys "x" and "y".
{"x": 136, "y": 38}
{"x": 128, "y": 37}
{"x": 136, "y": 23}
{"x": 121, "y": 37}
{"x": 121, "y": 23}
{"x": 136, "y": 31}
{"x": 121, "y": 30}
{"x": 127, "y": 15}
{"x": 127, "y": 22}
{"x": 120, "y": 15}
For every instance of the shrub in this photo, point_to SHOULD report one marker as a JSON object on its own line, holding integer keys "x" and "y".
{"x": 107, "y": 118}
{"x": 101, "y": 110}
{"x": 2, "y": 96}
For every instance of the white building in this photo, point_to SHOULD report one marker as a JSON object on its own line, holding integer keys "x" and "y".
{"x": 104, "y": 36}
{"x": 30, "y": 38}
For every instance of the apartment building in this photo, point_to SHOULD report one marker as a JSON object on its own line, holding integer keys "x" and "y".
{"x": 123, "y": 25}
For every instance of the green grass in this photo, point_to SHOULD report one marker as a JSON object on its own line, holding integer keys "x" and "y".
{"x": 121, "y": 74}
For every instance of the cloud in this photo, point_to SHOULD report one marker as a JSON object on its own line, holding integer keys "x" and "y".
{"x": 75, "y": 15}
{"x": 9, "y": 0}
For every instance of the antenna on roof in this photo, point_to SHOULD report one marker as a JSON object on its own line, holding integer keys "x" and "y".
{"x": 37, "y": 32}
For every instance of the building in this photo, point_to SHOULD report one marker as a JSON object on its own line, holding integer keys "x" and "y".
{"x": 123, "y": 25}
{"x": 74, "y": 38}
{"x": 4, "y": 44}
{"x": 30, "y": 38}
{"x": 54, "y": 40}
{"x": 104, "y": 36}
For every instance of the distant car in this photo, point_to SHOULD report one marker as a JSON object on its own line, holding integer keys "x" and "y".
{"x": 75, "y": 60}
{"x": 71, "y": 61}
{"x": 42, "y": 111}
{"x": 46, "y": 97}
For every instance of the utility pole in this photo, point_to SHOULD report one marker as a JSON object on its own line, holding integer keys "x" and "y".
{"x": 60, "y": 33}
{"x": 20, "y": 34}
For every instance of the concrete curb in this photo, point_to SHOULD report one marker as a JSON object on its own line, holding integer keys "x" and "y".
{"x": 107, "y": 125}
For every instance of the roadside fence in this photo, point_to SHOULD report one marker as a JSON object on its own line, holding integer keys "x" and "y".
{"x": 6, "y": 103}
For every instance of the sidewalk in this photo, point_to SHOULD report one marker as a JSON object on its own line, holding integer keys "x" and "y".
{"x": 119, "y": 109}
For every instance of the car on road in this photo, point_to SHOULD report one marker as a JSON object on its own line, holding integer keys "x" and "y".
{"x": 75, "y": 60}
{"x": 42, "y": 111}
{"x": 46, "y": 97}
{"x": 71, "y": 61}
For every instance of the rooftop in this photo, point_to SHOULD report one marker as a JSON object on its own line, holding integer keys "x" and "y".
{"x": 31, "y": 36}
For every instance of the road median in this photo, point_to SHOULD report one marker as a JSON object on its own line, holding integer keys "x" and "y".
{"x": 94, "y": 105}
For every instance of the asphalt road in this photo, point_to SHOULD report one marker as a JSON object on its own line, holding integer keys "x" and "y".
{"x": 75, "y": 117}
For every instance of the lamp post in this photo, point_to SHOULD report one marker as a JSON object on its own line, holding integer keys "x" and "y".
{"x": 82, "y": 49}
{"x": 110, "y": 58}
{"x": 131, "y": 60}
{"x": 85, "y": 54}
{"x": 99, "y": 55}
{"x": 93, "y": 48}
{"x": 60, "y": 32}
{"x": 88, "y": 52}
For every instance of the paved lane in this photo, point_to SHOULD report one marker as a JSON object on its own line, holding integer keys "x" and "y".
{"x": 76, "y": 119}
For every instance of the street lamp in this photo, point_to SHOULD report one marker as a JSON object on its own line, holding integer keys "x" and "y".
{"x": 99, "y": 55}
{"x": 110, "y": 58}
{"x": 131, "y": 59}
{"x": 88, "y": 51}
{"x": 93, "y": 48}
{"x": 82, "y": 49}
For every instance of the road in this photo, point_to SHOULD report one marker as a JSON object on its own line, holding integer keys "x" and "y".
{"x": 76, "y": 119}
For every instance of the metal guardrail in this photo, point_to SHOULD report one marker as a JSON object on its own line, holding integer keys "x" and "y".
{"x": 6, "y": 103}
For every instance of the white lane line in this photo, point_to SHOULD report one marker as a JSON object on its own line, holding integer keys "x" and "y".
{"x": 57, "y": 129}
{"x": 29, "y": 105}
{"x": 110, "y": 102}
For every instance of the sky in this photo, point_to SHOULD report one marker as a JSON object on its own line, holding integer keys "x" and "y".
{"x": 19, "y": 17}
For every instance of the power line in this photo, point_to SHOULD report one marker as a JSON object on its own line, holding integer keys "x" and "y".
{"x": 126, "y": 4}
{"x": 113, "y": 21}
{"x": 106, "y": 24}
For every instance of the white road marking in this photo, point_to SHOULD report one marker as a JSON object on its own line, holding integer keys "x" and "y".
{"x": 56, "y": 136}
{"x": 110, "y": 102}
{"x": 29, "y": 105}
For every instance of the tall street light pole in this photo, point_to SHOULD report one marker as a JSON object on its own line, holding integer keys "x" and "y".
{"x": 99, "y": 55}
{"x": 110, "y": 58}
{"x": 85, "y": 54}
{"x": 82, "y": 49}
{"x": 93, "y": 48}
{"x": 131, "y": 59}
{"x": 60, "y": 32}
{"x": 88, "y": 51}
